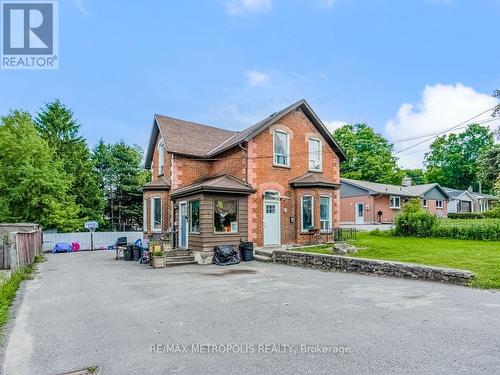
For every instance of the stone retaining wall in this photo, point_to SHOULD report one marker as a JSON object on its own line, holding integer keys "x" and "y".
{"x": 328, "y": 262}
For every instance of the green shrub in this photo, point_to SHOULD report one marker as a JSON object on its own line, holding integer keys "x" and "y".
{"x": 493, "y": 213}
{"x": 414, "y": 221}
{"x": 485, "y": 230}
{"x": 466, "y": 215}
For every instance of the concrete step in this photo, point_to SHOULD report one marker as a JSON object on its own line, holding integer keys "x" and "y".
{"x": 179, "y": 258}
{"x": 264, "y": 252}
{"x": 262, "y": 258}
{"x": 180, "y": 263}
{"x": 174, "y": 253}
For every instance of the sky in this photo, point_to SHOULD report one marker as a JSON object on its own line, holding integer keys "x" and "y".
{"x": 406, "y": 68}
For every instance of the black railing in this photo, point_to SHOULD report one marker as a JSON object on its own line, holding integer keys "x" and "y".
{"x": 344, "y": 234}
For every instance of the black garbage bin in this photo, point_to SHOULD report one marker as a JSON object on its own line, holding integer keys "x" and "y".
{"x": 128, "y": 253}
{"x": 246, "y": 249}
{"x": 137, "y": 253}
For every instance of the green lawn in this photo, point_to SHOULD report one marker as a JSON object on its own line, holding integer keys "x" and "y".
{"x": 480, "y": 257}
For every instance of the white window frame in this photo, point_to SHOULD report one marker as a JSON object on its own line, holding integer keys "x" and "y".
{"x": 161, "y": 158}
{"x": 190, "y": 216}
{"x": 330, "y": 226}
{"x": 320, "y": 154}
{"x": 302, "y": 229}
{"x": 287, "y": 164}
{"x": 153, "y": 207}
{"x": 441, "y": 203}
{"x": 144, "y": 215}
{"x": 425, "y": 202}
{"x": 392, "y": 199}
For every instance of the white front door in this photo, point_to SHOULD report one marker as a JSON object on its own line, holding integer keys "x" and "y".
{"x": 360, "y": 213}
{"x": 272, "y": 223}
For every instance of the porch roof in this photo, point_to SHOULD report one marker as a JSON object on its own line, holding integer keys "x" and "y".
{"x": 221, "y": 184}
{"x": 159, "y": 184}
{"x": 313, "y": 179}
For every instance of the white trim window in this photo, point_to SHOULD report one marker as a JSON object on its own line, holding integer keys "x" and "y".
{"x": 194, "y": 217}
{"x": 144, "y": 215}
{"x": 161, "y": 158}
{"x": 394, "y": 201}
{"x": 156, "y": 214}
{"x": 307, "y": 212}
{"x": 325, "y": 213}
{"x": 425, "y": 202}
{"x": 281, "y": 147}
{"x": 315, "y": 155}
{"x": 439, "y": 203}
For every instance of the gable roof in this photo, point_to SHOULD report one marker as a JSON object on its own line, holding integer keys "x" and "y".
{"x": 406, "y": 191}
{"x": 198, "y": 140}
{"x": 455, "y": 193}
{"x": 485, "y": 196}
{"x": 224, "y": 183}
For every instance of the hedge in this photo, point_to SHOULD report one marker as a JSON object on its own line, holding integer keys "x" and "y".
{"x": 485, "y": 230}
{"x": 466, "y": 215}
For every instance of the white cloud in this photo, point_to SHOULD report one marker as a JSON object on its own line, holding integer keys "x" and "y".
{"x": 332, "y": 125}
{"x": 256, "y": 78}
{"x": 441, "y": 107}
{"x": 237, "y": 7}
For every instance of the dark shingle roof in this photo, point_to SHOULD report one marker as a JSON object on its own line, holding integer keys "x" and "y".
{"x": 225, "y": 183}
{"x": 189, "y": 138}
{"x": 406, "y": 191}
{"x": 159, "y": 184}
{"x": 313, "y": 179}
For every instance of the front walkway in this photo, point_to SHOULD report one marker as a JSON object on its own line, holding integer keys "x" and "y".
{"x": 84, "y": 309}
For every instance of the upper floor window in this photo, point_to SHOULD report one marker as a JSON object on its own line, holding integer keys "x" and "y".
{"x": 395, "y": 202}
{"x": 439, "y": 204}
{"x": 281, "y": 148}
{"x": 161, "y": 158}
{"x": 315, "y": 154}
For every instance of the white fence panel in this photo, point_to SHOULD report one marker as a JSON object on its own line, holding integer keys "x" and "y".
{"x": 101, "y": 239}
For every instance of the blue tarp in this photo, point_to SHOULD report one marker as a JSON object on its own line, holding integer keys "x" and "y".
{"x": 62, "y": 247}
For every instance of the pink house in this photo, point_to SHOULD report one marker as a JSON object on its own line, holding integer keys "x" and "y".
{"x": 365, "y": 202}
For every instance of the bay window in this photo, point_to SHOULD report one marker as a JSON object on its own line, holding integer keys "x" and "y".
{"x": 225, "y": 216}
{"x": 194, "y": 217}
{"x": 281, "y": 141}
{"x": 156, "y": 214}
{"x": 325, "y": 214}
{"x": 315, "y": 155}
{"x": 307, "y": 213}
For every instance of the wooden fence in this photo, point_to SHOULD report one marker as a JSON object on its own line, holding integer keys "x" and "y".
{"x": 20, "y": 248}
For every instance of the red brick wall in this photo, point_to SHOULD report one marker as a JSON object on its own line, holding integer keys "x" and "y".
{"x": 348, "y": 208}
{"x": 442, "y": 212}
{"x": 264, "y": 176}
{"x": 165, "y": 201}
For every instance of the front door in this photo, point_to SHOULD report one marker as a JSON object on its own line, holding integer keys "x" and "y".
{"x": 360, "y": 213}
{"x": 183, "y": 225}
{"x": 271, "y": 223}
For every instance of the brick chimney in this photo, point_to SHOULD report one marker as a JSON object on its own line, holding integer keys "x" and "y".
{"x": 407, "y": 181}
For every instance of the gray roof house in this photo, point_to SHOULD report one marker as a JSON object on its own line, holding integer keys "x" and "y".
{"x": 462, "y": 201}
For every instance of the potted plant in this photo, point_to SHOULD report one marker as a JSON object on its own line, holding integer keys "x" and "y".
{"x": 155, "y": 246}
{"x": 158, "y": 258}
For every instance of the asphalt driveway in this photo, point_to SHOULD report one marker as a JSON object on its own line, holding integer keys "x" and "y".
{"x": 87, "y": 309}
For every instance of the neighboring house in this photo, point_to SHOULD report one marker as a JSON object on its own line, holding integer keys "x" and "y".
{"x": 469, "y": 201}
{"x": 364, "y": 202}
{"x": 268, "y": 184}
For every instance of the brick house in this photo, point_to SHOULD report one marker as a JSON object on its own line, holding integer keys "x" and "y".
{"x": 362, "y": 201}
{"x": 274, "y": 183}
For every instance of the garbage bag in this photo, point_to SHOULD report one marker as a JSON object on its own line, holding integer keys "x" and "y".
{"x": 62, "y": 247}
{"x": 226, "y": 255}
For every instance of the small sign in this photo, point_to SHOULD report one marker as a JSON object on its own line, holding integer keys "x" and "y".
{"x": 91, "y": 225}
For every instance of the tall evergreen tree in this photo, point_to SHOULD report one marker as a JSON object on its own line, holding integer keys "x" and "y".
{"x": 33, "y": 184}
{"x": 58, "y": 126}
